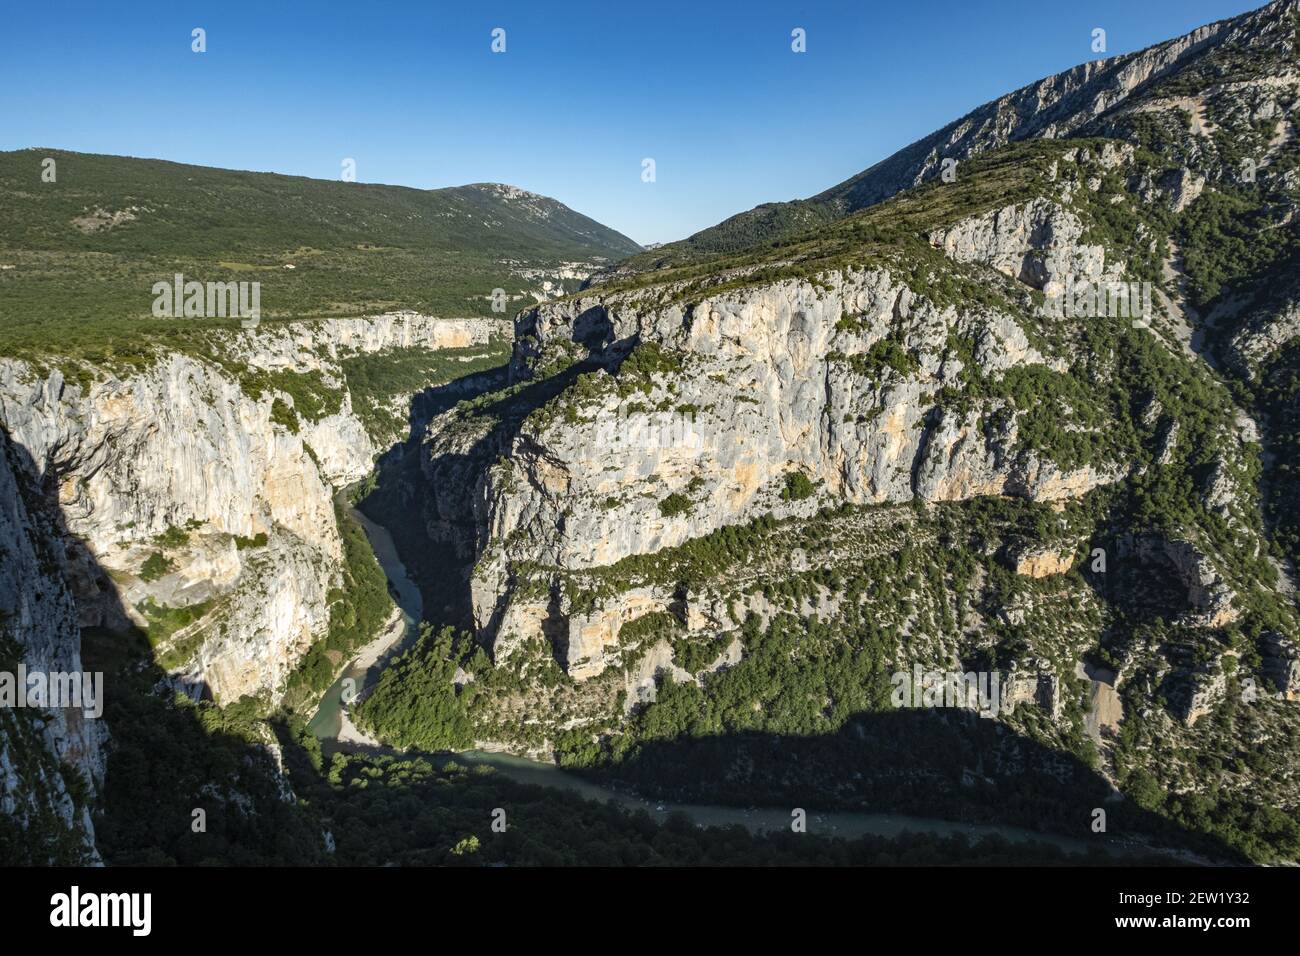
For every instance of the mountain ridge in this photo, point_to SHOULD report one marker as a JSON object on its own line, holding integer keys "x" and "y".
{"x": 1059, "y": 110}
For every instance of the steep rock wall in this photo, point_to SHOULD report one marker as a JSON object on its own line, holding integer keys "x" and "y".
{"x": 38, "y": 619}
{"x": 181, "y": 465}
{"x": 761, "y": 384}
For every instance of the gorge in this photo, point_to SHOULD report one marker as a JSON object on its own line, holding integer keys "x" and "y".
{"x": 673, "y": 524}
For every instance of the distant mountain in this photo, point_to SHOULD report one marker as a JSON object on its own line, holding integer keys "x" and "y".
{"x": 88, "y": 246}
{"x": 1085, "y": 100}
{"x": 542, "y": 218}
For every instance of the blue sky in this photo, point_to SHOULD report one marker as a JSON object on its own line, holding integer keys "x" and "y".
{"x": 584, "y": 92}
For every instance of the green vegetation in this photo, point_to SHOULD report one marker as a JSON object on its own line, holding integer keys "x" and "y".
{"x": 415, "y": 701}
{"x": 644, "y": 362}
{"x": 1229, "y": 235}
{"x": 358, "y": 608}
{"x": 155, "y": 566}
{"x": 85, "y": 284}
{"x": 649, "y": 627}
{"x": 888, "y": 353}
{"x": 797, "y": 487}
{"x": 374, "y": 379}
{"x": 174, "y": 537}
{"x": 166, "y": 621}
{"x": 695, "y": 655}
{"x": 282, "y": 414}
{"x": 1278, "y": 390}
{"x": 313, "y": 398}
{"x": 674, "y": 505}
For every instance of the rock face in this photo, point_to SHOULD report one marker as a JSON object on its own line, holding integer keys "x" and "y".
{"x": 1038, "y": 243}
{"x": 182, "y": 447}
{"x": 1210, "y": 598}
{"x": 179, "y": 443}
{"x": 38, "y": 621}
{"x": 1281, "y": 664}
{"x": 1207, "y": 689}
{"x": 316, "y": 346}
{"x": 756, "y": 386}
{"x": 1042, "y": 562}
{"x": 182, "y": 462}
{"x": 1041, "y": 689}
{"x": 1266, "y": 333}
{"x": 589, "y": 633}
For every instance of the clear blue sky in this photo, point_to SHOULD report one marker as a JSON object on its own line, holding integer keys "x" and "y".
{"x": 584, "y": 91}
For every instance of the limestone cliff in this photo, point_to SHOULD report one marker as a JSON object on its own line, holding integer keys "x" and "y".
{"x": 764, "y": 387}
{"x": 183, "y": 489}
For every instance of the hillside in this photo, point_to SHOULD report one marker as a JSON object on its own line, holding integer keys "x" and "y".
{"x": 80, "y": 255}
{"x": 1089, "y": 99}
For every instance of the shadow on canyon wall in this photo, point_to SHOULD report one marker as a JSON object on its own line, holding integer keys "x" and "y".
{"x": 170, "y": 757}
{"x": 928, "y": 763}
{"x": 167, "y": 756}
{"x": 432, "y": 504}
{"x": 945, "y": 764}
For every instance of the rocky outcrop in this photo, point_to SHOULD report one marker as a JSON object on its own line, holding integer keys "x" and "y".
{"x": 1206, "y": 689}
{"x": 1042, "y": 689}
{"x": 180, "y": 462}
{"x": 180, "y": 443}
{"x": 1210, "y": 599}
{"x": 1042, "y": 562}
{"x": 1038, "y": 243}
{"x": 317, "y": 346}
{"x": 1265, "y": 333}
{"x": 1281, "y": 664}
{"x": 1208, "y": 594}
{"x": 753, "y": 387}
{"x": 588, "y": 633}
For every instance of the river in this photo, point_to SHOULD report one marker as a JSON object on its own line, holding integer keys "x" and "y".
{"x": 365, "y": 668}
